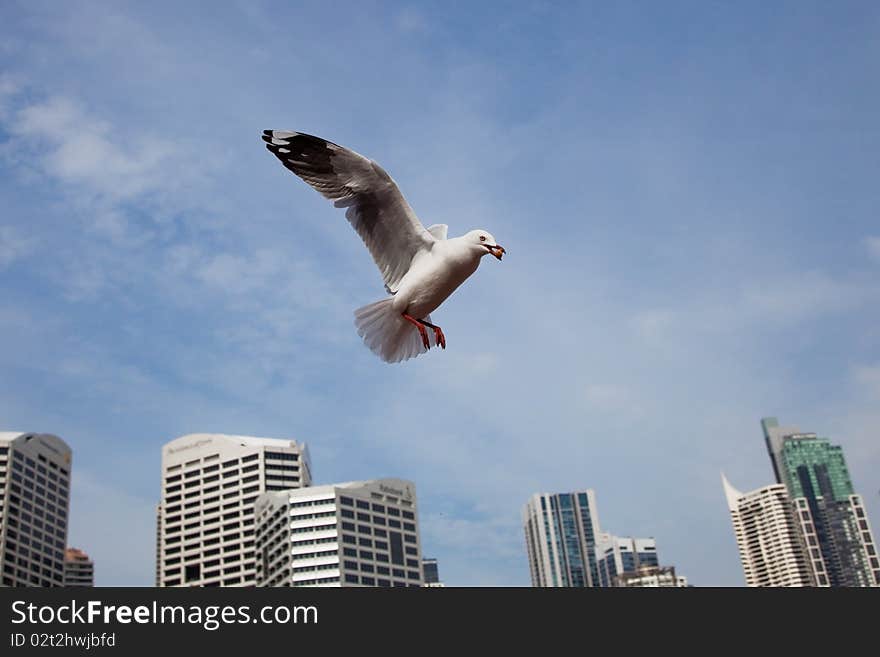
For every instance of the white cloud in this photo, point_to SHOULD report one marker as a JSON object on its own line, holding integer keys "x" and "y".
{"x": 113, "y": 162}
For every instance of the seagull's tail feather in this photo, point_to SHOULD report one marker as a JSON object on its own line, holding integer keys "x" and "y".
{"x": 387, "y": 333}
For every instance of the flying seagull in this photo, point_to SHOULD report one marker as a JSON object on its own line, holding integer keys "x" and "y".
{"x": 421, "y": 268}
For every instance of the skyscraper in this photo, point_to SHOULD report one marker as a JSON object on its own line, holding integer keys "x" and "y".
{"x": 815, "y": 475}
{"x": 616, "y": 556}
{"x": 34, "y": 507}
{"x": 205, "y": 520}
{"x": 561, "y": 532}
{"x": 79, "y": 570}
{"x": 361, "y": 533}
{"x": 768, "y": 535}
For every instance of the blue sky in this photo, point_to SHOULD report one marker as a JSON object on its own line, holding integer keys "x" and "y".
{"x": 687, "y": 192}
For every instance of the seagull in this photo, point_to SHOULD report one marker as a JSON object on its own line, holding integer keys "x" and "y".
{"x": 419, "y": 265}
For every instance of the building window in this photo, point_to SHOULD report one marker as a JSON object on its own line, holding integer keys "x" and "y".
{"x": 396, "y": 548}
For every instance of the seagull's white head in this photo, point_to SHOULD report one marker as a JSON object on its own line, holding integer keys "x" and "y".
{"x": 484, "y": 241}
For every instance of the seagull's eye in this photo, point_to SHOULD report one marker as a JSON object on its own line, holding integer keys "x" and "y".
{"x": 482, "y": 238}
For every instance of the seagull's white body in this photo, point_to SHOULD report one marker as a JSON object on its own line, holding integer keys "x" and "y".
{"x": 420, "y": 266}
{"x": 434, "y": 275}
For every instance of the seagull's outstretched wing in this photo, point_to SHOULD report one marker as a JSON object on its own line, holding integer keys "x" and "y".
{"x": 376, "y": 208}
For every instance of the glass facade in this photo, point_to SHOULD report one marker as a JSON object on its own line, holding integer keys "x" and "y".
{"x": 560, "y": 534}
{"x": 620, "y": 556}
{"x": 813, "y": 470}
{"x": 814, "y": 467}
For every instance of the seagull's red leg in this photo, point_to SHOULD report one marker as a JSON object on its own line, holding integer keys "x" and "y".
{"x": 421, "y": 326}
{"x": 438, "y": 334}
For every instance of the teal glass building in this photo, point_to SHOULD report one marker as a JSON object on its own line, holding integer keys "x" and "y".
{"x": 815, "y": 475}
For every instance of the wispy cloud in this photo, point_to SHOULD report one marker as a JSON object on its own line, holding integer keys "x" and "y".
{"x": 113, "y": 163}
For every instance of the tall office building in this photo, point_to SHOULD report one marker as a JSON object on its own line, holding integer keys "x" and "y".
{"x": 769, "y": 537}
{"x": 79, "y": 570}
{"x": 561, "y": 532}
{"x": 616, "y": 556}
{"x": 34, "y": 507}
{"x": 815, "y": 475}
{"x": 362, "y": 533}
{"x": 205, "y": 520}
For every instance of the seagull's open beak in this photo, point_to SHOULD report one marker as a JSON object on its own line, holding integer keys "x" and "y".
{"x": 496, "y": 250}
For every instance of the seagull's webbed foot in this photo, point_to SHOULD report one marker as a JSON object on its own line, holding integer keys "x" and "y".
{"x": 421, "y": 327}
{"x": 438, "y": 334}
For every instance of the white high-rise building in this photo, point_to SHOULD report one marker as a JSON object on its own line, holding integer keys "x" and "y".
{"x": 768, "y": 536}
{"x": 34, "y": 507}
{"x": 361, "y": 533}
{"x": 561, "y": 531}
{"x": 205, "y": 520}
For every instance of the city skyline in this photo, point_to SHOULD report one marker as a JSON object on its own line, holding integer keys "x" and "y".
{"x": 783, "y": 518}
{"x": 687, "y": 194}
